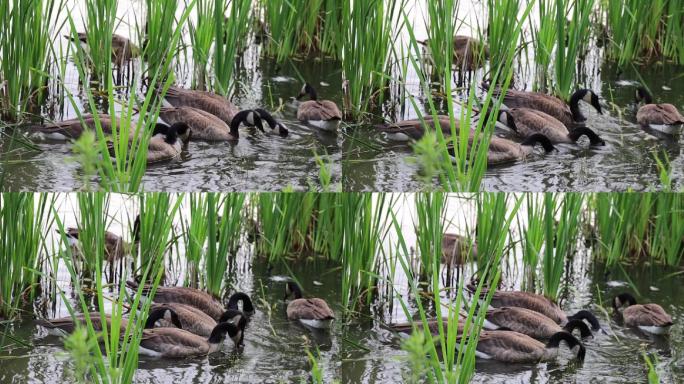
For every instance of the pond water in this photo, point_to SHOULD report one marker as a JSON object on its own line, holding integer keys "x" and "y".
{"x": 359, "y": 158}
{"x": 362, "y": 349}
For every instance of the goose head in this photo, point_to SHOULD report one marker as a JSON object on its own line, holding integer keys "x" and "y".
{"x": 622, "y": 300}
{"x": 575, "y": 345}
{"x": 218, "y": 334}
{"x": 588, "y": 96}
{"x": 177, "y": 131}
{"x": 642, "y": 94}
{"x": 163, "y": 313}
{"x": 249, "y": 117}
{"x": 538, "y": 138}
{"x": 273, "y": 123}
{"x": 235, "y": 298}
{"x": 292, "y": 289}
{"x": 309, "y": 90}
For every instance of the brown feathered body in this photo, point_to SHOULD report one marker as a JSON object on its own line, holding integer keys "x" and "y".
{"x": 532, "y": 301}
{"x": 204, "y": 125}
{"x": 212, "y": 103}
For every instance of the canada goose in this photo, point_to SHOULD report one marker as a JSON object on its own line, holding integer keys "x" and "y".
{"x": 526, "y": 122}
{"x": 210, "y": 102}
{"x": 323, "y": 114}
{"x": 468, "y": 52}
{"x": 570, "y": 115}
{"x": 514, "y": 347}
{"x": 530, "y": 323}
{"x": 204, "y": 125}
{"x": 115, "y": 246}
{"x": 650, "y": 318}
{"x": 414, "y": 130}
{"x": 166, "y": 143}
{"x": 541, "y": 304}
{"x": 275, "y": 125}
{"x": 433, "y": 325}
{"x": 313, "y": 312}
{"x": 176, "y": 343}
{"x": 122, "y": 48}
{"x": 456, "y": 248}
{"x": 661, "y": 117}
{"x": 72, "y": 128}
{"x": 502, "y": 150}
{"x": 196, "y": 321}
{"x": 66, "y": 325}
{"x": 196, "y": 298}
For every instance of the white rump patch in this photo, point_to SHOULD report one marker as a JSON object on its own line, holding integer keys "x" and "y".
{"x": 321, "y": 324}
{"x": 56, "y": 136}
{"x": 489, "y": 325}
{"x": 654, "y": 330}
{"x": 398, "y": 136}
{"x": 148, "y": 352}
{"x": 325, "y": 125}
{"x": 666, "y": 128}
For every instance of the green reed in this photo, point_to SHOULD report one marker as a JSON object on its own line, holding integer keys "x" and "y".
{"x": 645, "y": 30}
{"x": 157, "y": 35}
{"x": 26, "y": 30}
{"x": 22, "y": 220}
{"x": 544, "y": 42}
{"x": 157, "y": 211}
{"x": 201, "y": 31}
{"x": 502, "y": 39}
{"x": 100, "y": 21}
{"x": 577, "y": 34}
{"x": 621, "y": 220}
{"x": 230, "y": 35}
{"x": 124, "y": 151}
{"x": 561, "y": 237}
{"x": 446, "y": 358}
{"x": 117, "y": 359}
{"x": 93, "y": 208}
{"x": 430, "y": 209}
{"x": 465, "y": 168}
{"x": 293, "y": 25}
{"x": 370, "y": 29}
{"x": 666, "y": 228}
{"x": 533, "y": 235}
{"x": 365, "y": 219}
{"x": 440, "y": 30}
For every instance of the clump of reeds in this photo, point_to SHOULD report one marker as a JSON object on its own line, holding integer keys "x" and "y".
{"x": 26, "y": 31}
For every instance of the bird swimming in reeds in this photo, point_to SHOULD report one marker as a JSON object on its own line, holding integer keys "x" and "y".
{"x": 322, "y": 114}
{"x": 210, "y": 102}
{"x": 660, "y": 117}
{"x": 65, "y": 325}
{"x": 414, "y": 129}
{"x": 650, "y": 318}
{"x": 312, "y": 312}
{"x": 196, "y": 321}
{"x": 530, "y": 323}
{"x": 199, "y": 299}
{"x": 178, "y": 343}
{"x": 527, "y": 122}
{"x": 502, "y": 151}
{"x": 514, "y": 347}
{"x": 569, "y": 114}
{"x": 122, "y": 48}
{"x": 73, "y": 128}
{"x": 468, "y": 52}
{"x": 456, "y": 249}
{"x": 115, "y": 246}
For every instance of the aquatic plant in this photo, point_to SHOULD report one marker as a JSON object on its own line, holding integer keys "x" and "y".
{"x": 156, "y": 37}
{"x": 645, "y": 30}
{"x": 117, "y": 359}
{"x": 229, "y": 33}
{"x": 370, "y": 29}
{"x": 22, "y": 220}
{"x": 430, "y": 212}
{"x": 26, "y": 31}
{"x": 157, "y": 211}
{"x": 100, "y": 20}
{"x": 571, "y": 39}
{"x": 533, "y": 235}
{"x": 441, "y": 26}
{"x": 293, "y": 26}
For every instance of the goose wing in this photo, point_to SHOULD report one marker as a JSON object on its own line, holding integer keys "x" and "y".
{"x": 72, "y": 128}
{"x": 192, "y": 297}
{"x": 510, "y": 346}
{"x": 531, "y": 301}
{"x": 318, "y": 110}
{"x": 309, "y": 309}
{"x": 530, "y": 121}
{"x": 646, "y": 315}
{"x": 192, "y": 319}
{"x": 216, "y": 105}
{"x": 548, "y": 104}
{"x": 523, "y": 320}
{"x": 174, "y": 342}
{"x": 204, "y": 125}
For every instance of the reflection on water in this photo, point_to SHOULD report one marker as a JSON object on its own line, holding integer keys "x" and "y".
{"x": 361, "y": 349}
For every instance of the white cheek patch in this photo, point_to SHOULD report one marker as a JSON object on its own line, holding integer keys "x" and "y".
{"x": 587, "y": 97}
{"x": 250, "y": 118}
{"x": 503, "y": 118}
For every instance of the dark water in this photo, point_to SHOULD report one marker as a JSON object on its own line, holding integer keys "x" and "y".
{"x": 360, "y": 349}
{"x": 626, "y": 162}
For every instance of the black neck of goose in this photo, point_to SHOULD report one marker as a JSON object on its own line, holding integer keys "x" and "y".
{"x": 171, "y": 136}
{"x": 588, "y": 316}
{"x": 571, "y": 340}
{"x": 578, "y": 132}
{"x": 136, "y": 230}
{"x": 246, "y": 302}
{"x": 218, "y": 334}
{"x": 644, "y": 95}
{"x": 539, "y": 138}
{"x": 159, "y": 313}
{"x": 623, "y": 298}
{"x": 574, "y": 105}
{"x": 160, "y": 128}
{"x": 267, "y": 116}
{"x": 238, "y": 119}
{"x": 578, "y": 324}
{"x": 295, "y": 290}
{"x": 312, "y": 92}
{"x": 233, "y": 315}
